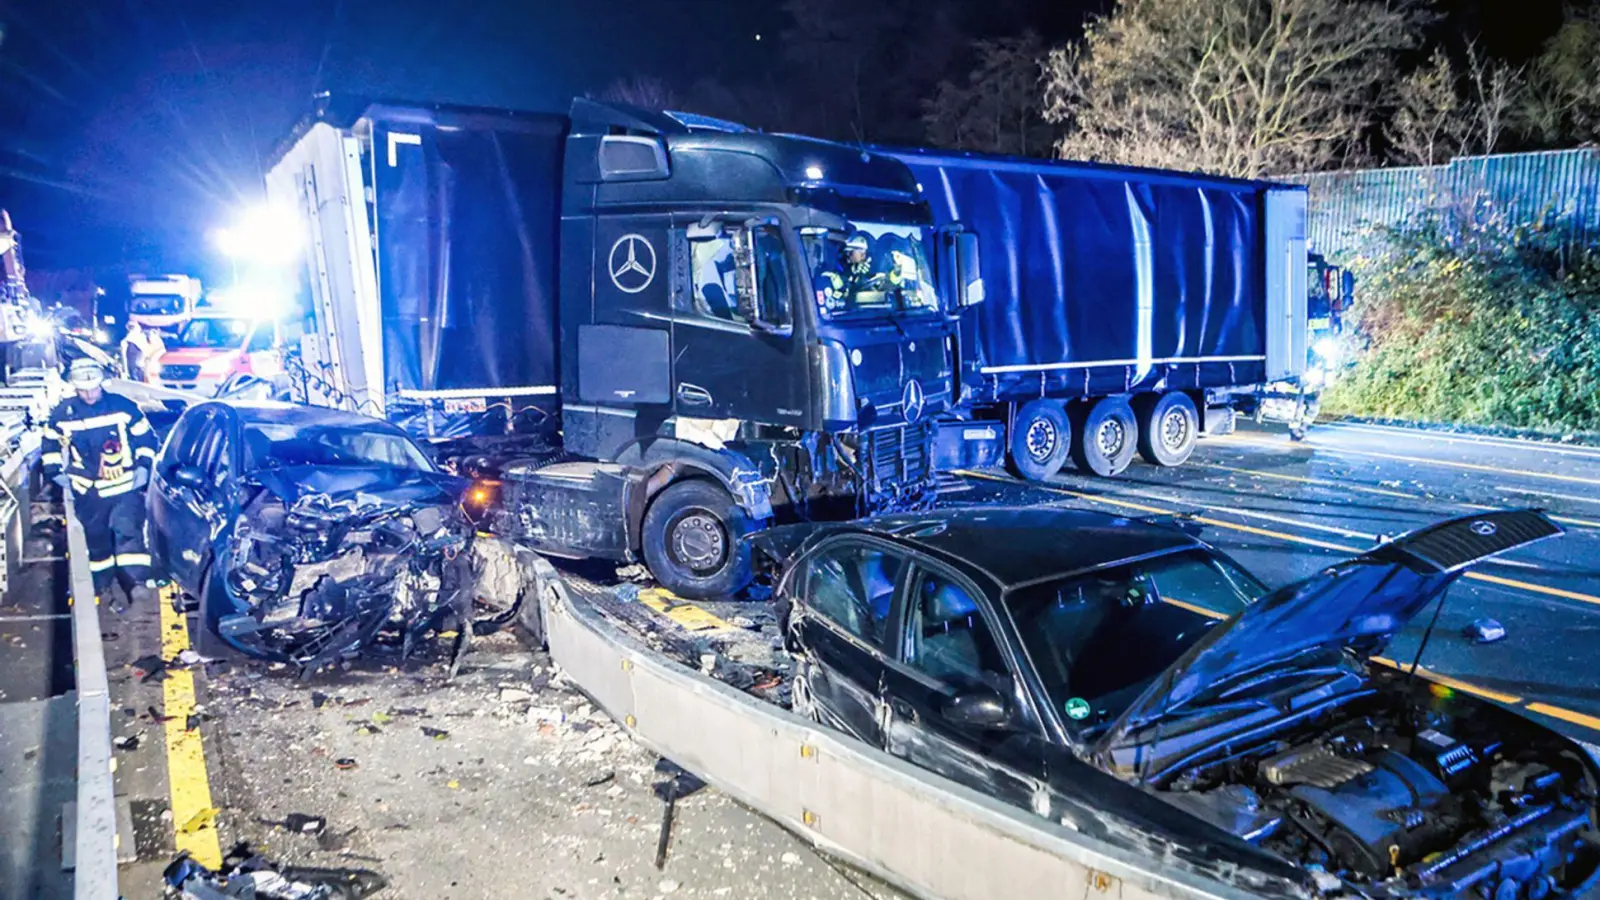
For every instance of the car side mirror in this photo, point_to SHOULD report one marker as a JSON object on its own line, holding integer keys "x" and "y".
{"x": 980, "y": 708}
{"x": 189, "y": 477}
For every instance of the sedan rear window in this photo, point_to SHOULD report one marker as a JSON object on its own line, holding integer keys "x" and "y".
{"x": 1098, "y": 640}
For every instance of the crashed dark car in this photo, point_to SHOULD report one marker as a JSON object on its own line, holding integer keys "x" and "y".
{"x": 307, "y": 533}
{"x": 1081, "y": 665}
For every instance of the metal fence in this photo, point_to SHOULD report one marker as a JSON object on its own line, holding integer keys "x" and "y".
{"x": 1515, "y": 189}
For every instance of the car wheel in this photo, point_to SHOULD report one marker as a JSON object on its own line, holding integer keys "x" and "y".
{"x": 1168, "y": 429}
{"x": 1105, "y": 439}
{"x": 1041, "y": 438}
{"x": 694, "y": 541}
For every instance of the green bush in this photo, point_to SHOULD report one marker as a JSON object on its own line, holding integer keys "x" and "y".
{"x": 1480, "y": 326}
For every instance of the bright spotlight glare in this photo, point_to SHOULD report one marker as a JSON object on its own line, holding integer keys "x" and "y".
{"x": 1327, "y": 348}
{"x": 261, "y": 302}
{"x": 264, "y": 234}
{"x": 41, "y": 328}
{"x": 813, "y": 173}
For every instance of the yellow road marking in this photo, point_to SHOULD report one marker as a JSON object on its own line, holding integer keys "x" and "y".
{"x": 1194, "y": 608}
{"x": 1456, "y": 683}
{"x": 193, "y": 816}
{"x": 1565, "y": 715}
{"x": 1565, "y": 520}
{"x": 1450, "y": 464}
{"x": 686, "y": 615}
{"x": 1536, "y": 588}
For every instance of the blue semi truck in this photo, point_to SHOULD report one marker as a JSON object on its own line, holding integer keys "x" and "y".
{"x": 1126, "y": 310}
{"x": 655, "y": 286}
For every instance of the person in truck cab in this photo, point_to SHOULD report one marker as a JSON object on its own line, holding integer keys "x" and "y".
{"x": 853, "y": 275}
{"x": 100, "y": 447}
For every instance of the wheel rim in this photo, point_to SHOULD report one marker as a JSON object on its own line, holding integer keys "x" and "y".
{"x": 1110, "y": 437}
{"x": 698, "y": 540}
{"x": 1041, "y": 439}
{"x": 1174, "y": 430}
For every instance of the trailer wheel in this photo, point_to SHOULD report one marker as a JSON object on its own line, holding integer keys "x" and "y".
{"x": 1168, "y": 429}
{"x": 1106, "y": 437}
{"x": 1041, "y": 439}
{"x": 694, "y": 541}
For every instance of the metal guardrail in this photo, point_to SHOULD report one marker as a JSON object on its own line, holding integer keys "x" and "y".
{"x": 919, "y": 831}
{"x": 95, "y": 875}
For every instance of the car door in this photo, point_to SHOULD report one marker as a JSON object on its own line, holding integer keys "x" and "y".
{"x": 197, "y": 508}
{"x": 843, "y": 594}
{"x": 947, "y": 645}
{"x": 173, "y": 506}
{"x": 727, "y": 365}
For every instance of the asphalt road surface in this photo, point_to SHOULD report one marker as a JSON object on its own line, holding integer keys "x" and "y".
{"x": 1283, "y": 509}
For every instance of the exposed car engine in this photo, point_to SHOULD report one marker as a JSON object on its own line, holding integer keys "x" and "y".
{"x": 1394, "y": 802}
{"x": 320, "y": 578}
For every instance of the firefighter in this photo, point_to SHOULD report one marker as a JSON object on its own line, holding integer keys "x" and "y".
{"x": 99, "y": 446}
{"x": 853, "y": 275}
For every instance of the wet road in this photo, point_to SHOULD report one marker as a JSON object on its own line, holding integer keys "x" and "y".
{"x": 1283, "y": 509}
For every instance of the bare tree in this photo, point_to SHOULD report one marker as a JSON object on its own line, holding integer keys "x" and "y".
{"x": 997, "y": 108}
{"x": 1442, "y": 112}
{"x": 1236, "y": 87}
{"x": 642, "y": 91}
{"x": 1561, "y": 107}
{"x": 1429, "y": 125}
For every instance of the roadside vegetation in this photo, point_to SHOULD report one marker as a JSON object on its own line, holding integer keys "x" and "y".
{"x": 1479, "y": 325}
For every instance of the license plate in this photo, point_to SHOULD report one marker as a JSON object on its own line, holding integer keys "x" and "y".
{"x": 977, "y": 434}
{"x": 466, "y": 405}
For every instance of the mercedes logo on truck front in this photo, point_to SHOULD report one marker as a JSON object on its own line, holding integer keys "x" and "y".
{"x": 632, "y": 264}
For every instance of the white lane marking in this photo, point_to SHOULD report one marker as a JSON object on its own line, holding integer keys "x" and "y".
{"x": 1574, "y": 497}
{"x": 1422, "y": 460}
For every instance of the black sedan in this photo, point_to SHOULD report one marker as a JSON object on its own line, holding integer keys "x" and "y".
{"x": 306, "y": 532}
{"x": 1083, "y": 666}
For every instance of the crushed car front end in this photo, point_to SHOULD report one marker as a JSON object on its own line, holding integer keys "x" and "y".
{"x": 321, "y": 562}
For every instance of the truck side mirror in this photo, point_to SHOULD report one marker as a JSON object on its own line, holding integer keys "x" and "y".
{"x": 969, "y": 273}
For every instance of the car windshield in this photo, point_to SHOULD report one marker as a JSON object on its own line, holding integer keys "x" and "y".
{"x": 214, "y": 334}
{"x": 1078, "y": 631}
{"x": 870, "y": 269}
{"x": 156, "y": 304}
{"x": 271, "y": 445}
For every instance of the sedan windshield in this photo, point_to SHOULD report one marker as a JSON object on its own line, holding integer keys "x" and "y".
{"x": 271, "y": 445}
{"x": 1098, "y": 640}
{"x": 214, "y": 334}
{"x": 871, "y": 269}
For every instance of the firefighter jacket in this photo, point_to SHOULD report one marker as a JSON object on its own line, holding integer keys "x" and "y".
{"x": 98, "y": 445}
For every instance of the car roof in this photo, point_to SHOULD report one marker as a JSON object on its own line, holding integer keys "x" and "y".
{"x": 1017, "y": 545}
{"x": 276, "y": 413}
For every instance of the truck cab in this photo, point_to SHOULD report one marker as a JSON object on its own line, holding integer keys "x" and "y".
{"x": 682, "y": 293}
{"x": 162, "y": 302}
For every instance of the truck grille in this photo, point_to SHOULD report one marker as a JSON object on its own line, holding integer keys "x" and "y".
{"x": 899, "y": 455}
{"x": 180, "y": 373}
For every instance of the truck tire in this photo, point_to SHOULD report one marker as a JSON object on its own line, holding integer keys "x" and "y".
{"x": 1041, "y": 439}
{"x": 1105, "y": 439}
{"x": 694, "y": 541}
{"x": 1168, "y": 429}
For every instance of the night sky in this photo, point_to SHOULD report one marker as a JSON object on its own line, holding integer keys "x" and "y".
{"x": 129, "y": 128}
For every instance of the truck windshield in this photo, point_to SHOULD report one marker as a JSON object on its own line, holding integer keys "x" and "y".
{"x": 155, "y": 304}
{"x": 871, "y": 269}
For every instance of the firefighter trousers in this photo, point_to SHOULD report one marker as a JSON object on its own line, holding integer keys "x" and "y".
{"x": 113, "y": 530}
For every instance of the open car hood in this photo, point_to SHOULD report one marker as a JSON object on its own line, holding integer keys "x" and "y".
{"x": 373, "y": 485}
{"x": 1360, "y": 603}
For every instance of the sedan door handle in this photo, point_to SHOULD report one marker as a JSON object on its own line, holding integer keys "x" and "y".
{"x": 693, "y": 395}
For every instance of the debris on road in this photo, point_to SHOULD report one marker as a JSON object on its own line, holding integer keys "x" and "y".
{"x": 1485, "y": 631}
{"x": 248, "y": 876}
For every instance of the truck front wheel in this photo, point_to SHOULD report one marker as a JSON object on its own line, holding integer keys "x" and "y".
{"x": 1105, "y": 437}
{"x": 694, "y": 541}
{"x": 1041, "y": 438}
{"x": 1168, "y": 429}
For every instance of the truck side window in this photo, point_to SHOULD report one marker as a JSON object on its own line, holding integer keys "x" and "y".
{"x": 772, "y": 275}
{"x": 714, "y": 278}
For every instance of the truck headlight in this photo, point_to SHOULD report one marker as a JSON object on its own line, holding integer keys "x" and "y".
{"x": 1327, "y": 348}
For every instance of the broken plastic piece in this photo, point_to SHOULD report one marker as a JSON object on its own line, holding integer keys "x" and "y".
{"x": 1485, "y": 631}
